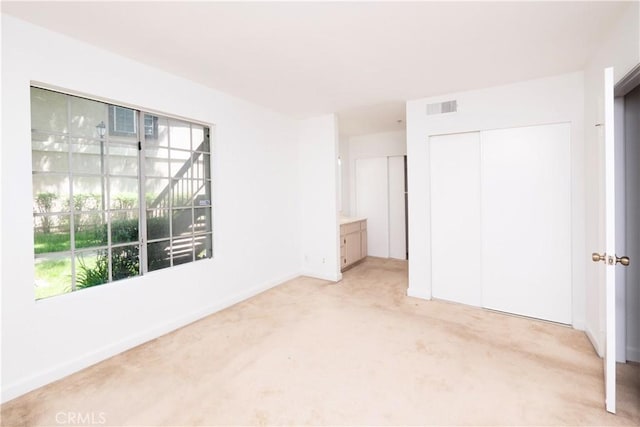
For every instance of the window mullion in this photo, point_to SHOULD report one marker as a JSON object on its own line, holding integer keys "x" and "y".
{"x": 72, "y": 205}
{"x": 107, "y": 191}
{"x": 170, "y": 194}
{"x": 142, "y": 222}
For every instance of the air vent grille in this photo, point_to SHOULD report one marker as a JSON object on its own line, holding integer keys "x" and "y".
{"x": 442, "y": 107}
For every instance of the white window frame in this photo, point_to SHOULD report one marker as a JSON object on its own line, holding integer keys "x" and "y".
{"x": 105, "y": 176}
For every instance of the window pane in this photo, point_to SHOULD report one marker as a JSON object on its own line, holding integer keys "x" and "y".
{"x": 150, "y": 127}
{"x": 124, "y": 227}
{"x": 90, "y": 229}
{"x": 181, "y": 222}
{"x": 86, "y": 116}
{"x": 156, "y": 132}
{"x": 52, "y": 275}
{"x": 180, "y": 163}
{"x": 179, "y": 135}
{"x": 87, "y": 156}
{"x": 92, "y": 268}
{"x": 87, "y": 193}
{"x": 197, "y": 137}
{"x": 182, "y": 250}
{"x": 51, "y": 234}
{"x": 125, "y": 262}
{"x": 157, "y": 162}
{"x": 84, "y": 202}
{"x": 48, "y": 111}
{"x": 157, "y": 224}
{"x": 123, "y": 123}
{"x": 204, "y": 246}
{"x": 49, "y": 153}
{"x": 123, "y": 159}
{"x": 202, "y": 221}
{"x": 123, "y": 193}
{"x": 182, "y": 193}
{"x": 201, "y": 140}
{"x": 157, "y": 193}
{"x": 202, "y": 167}
{"x": 50, "y": 193}
{"x": 158, "y": 255}
{"x": 202, "y": 196}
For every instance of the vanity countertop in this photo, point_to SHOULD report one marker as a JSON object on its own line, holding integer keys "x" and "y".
{"x": 349, "y": 220}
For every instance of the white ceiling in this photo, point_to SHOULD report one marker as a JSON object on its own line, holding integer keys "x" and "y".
{"x": 362, "y": 59}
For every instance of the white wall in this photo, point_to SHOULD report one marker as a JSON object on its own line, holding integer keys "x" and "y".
{"x": 543, "y": 101}
{"x": 256, "y": 235}
{"x": 318, "y": 187}
{"x": 621, "y": 49}
{"x": 346, "y": 170}
{"x": 383, "y": 144}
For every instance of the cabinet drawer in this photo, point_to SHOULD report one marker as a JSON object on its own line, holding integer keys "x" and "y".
{"x": 349, "y": 228}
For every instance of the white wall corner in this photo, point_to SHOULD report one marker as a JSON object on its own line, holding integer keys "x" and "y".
{"x": 318, "y": 149}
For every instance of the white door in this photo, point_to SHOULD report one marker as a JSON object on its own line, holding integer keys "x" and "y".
{"x": 372, "y": 202}
{"x": 526, "y": 221}
{"x": 397, "y": 229}
{"x": 609, "y": 257}
{"x": 455, "y": 217}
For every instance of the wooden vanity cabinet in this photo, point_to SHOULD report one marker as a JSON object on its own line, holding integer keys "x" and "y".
{"x": 353, "y": 243}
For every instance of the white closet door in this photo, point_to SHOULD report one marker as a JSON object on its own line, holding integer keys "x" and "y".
{"x": 455, "y": 217}
{"x": 397, "y": 229}
{"x": 526, "y": 240}
{"x": 372, "y": 202}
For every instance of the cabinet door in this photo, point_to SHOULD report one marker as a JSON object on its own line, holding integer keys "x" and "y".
{"x": 352, "y": 248}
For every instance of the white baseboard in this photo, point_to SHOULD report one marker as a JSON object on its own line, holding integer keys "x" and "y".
{"x": 595, "y": 342}
{"x": 411, "y": 292}
{"x": 322, "y": 276}
{"x": 55, "y": 373}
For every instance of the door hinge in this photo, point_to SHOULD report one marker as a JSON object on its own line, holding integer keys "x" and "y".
{"x": 139, "y": 146}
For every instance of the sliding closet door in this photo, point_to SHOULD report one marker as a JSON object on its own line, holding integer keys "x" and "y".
{"x": 455, "y": 217}
{"x": 526, "y": 240}
{"x": 372, "y": 202}
{"x": 397, "y": 228}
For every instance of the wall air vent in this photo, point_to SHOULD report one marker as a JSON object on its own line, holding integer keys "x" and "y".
{"x": 442, "y": 107}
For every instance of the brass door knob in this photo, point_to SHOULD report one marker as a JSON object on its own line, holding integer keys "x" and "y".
{"x": 624, "y": 260}
{"x": 597, "y": 257}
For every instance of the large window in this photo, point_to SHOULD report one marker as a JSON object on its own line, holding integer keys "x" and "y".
{"x": 116, "y": 192}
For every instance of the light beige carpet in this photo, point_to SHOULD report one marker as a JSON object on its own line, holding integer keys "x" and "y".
{"x": 355, "y": 353}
